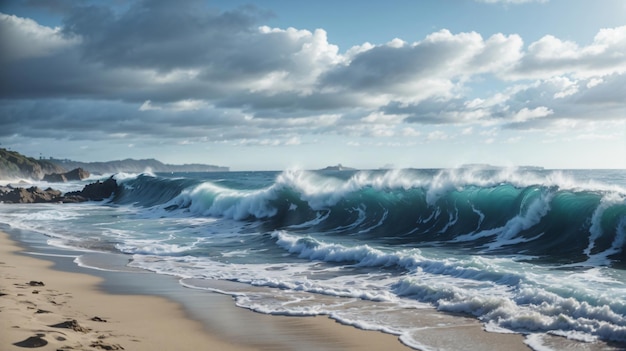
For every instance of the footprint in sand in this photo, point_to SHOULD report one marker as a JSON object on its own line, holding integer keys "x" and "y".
{"x": 101, "y": 345}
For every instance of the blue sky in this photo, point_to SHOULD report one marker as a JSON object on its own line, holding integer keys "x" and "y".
{"x": 277, "y": 84}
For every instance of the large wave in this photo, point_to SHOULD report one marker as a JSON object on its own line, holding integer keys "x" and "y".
{"x": 544, "y": 215}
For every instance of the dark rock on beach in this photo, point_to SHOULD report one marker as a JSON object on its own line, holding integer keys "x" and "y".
{"x": 75, "y": 174}
{"x": 72, "y": 324}
{"x": 97, "y": 191}
{"x": 33, "y": 194}
{"x": 32, "y": 342}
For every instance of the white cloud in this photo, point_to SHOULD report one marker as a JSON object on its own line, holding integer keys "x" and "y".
{"x": 550, "y": 57}
{"x": 467, "y": 131}
{"x": 594, "y": 81}
{"x": 410, "y": 132}
{"x": 513, "y": 140}
{"x": 566, "y": 86}
{"x": 527, "y": 114}
{"x": 147, "y": 106}
{"x": 293, "y": 141}
{"x": 382, "y": 118}
{"x": 551, "y": 48}
{"x": 437, "y": 135}
{"x": 188, "y": 105}
{"x": 306, "y": 55}
{"x": 22, "y": 38}
{"x": 414, "y": 72}
{"x": 489, "y": 132}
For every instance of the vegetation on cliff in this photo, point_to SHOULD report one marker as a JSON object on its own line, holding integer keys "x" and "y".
{"x": 14, "y": 165}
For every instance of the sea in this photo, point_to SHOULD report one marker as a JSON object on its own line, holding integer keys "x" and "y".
{"x": 531, "y": 251}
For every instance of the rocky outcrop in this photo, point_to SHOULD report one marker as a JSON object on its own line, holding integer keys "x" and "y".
{"x": 33, "y": 194}
{"x": 97, "y": 191}
{"x": 75, "y": 174}
{"x": 14, "y": 165}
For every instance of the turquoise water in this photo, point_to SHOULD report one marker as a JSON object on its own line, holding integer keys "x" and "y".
{"x": 522, "y": 250}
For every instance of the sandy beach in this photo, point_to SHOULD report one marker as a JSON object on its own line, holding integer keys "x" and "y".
{"x": 49, "y": 309}
{"x": 53, "y": 310}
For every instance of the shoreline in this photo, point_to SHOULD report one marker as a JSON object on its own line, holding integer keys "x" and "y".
{"x": 32, "y": 314}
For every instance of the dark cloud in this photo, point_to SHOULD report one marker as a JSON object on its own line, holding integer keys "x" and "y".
{"x": 291, "y": 103}
{"x": 609, "y": 91}
{"x": 54, "y": 6}
{"x": 382, "y": 68}
{"x": 159, "y": 34}
{"x": 103, "y": 120}
{"x": 162, "y": 51}
{"x": 429, "y": 111}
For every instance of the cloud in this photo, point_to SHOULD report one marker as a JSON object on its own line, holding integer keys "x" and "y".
{"x": 156, "y": 34}
{"x": 437, "y": 135}
{"x": 417, "y": 71}
{"x": 550, "y": 57}
{"x": 166, "y": 70}
{"x": 23, "y": 38}
{"x": 147, "y": 106}
{"x": 526, "y": 114}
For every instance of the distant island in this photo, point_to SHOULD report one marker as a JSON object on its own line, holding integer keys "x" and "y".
{"x": 338, "y": 167}
{"x": 14, "y": 165}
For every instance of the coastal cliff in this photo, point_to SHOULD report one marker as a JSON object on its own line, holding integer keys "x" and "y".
{"x": 14, "y": 165}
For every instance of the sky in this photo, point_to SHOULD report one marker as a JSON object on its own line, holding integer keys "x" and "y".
{"x": 277, "y": 84}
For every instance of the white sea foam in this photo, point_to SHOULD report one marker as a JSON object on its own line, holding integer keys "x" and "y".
{"x": 535, "y": 342}
{"x": 367, "y": 283}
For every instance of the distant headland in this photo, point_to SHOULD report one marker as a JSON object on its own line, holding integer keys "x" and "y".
{"x": 14, "y": 165}
{"x": 136, "y": 166}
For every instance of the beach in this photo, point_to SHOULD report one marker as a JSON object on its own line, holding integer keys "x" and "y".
{"x": 49, "y": 309}
{"x": 64, "y": 310}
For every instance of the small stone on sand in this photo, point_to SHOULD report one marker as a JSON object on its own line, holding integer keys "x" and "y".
{"x": 32, "y": 342}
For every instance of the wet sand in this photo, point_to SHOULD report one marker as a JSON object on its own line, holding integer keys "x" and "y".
{"x": 46, "y": 308}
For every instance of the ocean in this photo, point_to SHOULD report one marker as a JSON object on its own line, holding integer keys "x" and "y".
{"x": 523, "y": 250}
